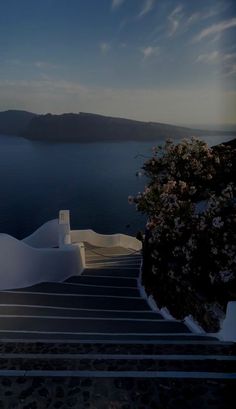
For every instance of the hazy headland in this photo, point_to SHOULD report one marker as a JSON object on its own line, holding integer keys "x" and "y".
{"x": 88, "y": 127}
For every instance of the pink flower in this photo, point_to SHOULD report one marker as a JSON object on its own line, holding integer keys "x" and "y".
{"x": 217, "y": 222}
{"x": 130, "y": 199}
{"x": 225, "y": 276}
{"x": 182, "y": 185}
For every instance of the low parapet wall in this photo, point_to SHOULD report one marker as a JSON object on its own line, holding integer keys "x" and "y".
{"x": 103, "y": 240}
{"x": 22, "y": 265}
{"x": 46, "y": 235}
{"x": 46, "y": 254}
{"x": 228, "y": 329}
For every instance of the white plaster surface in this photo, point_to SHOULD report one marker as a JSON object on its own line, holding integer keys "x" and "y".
{"x": 103, "y": 240}
{"x": 228, "y": 330}
{"x": 46, "y": 235}
{"x": 22, "y": 265}
{"x": 166, "y": 314}
{"x": 152, "y": 304}
{"x": 64, "y": 228}
{"x": 47, "y": 255}
{"x": 193, "y": 325}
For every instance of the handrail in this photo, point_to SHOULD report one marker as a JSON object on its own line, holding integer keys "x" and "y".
{"x": 105, "y": 240}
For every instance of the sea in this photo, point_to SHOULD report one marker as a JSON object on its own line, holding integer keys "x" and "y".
{"x": 92, "y": 180}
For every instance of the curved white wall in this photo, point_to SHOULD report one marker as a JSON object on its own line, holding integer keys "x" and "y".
{"x": 46, "y": 235}
{"x": 228, "y": 330}
{"x": 22, "y": 265}
{"x": 103, "y": 240}
{"x": 33, "y": 260}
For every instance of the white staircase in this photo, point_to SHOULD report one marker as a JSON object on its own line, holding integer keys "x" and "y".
{"x": 97, "y": 325}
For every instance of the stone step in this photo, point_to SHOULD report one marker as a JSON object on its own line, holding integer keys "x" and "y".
{"x": 113, "y": 256}
{"x": 52, "y": 336}
{"x": 210, "y": 346}
{"x": 111, "y": 272}
{"x": 129, "y": 270}
{"x": 74, "y": 301}
{"x": 46, "y": 373}
{"x": 110, "y": 251}
{"x": 77, "y": 325}
{"x": 67, "y": 288}
{"x": 113, "y": 266}
{"x": 116, "y": 357}
{"x": 114, "y": 261}
{"x": 17, "y": 310}
{"x": 104, "y": 281}
{"x": 128, "y": 258}
{"x": 104, "y": 363}
{"x": 130, "y": 393}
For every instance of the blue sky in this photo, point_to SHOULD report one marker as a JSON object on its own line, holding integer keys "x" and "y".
{"x": 159, "y": 60}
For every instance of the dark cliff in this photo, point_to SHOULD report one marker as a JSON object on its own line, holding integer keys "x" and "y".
{"x": 85, "y": 127}
{"x": 14, "y": 122}
{"x": 91, "y": 128}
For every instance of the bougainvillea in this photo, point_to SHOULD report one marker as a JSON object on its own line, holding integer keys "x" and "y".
{"x": 191, "y": 209}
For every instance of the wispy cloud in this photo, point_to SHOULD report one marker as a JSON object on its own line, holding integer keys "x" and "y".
{"x": 13, "y": 62}
{"x": 116, "y": 4}
{"x": 47, "y": 65}
{"x": 227, "y": 61}
{"x": 229, "y": 66}
{"x": 230, "y": 71}
{"x": 212, "y": 57}
{"x": 174, "y": 20}
{"x": 44, "y": 65}
{"x": 217, "y": 57}
{"x": 147, "y": 7}
{"x": 193, "y": 105}
{"x": 215, "y": 29}
{"x": 105, "y": 47}
{"x": 150, "y": 51}
{"x": 204, "y": 15}
{"x": 193, "y": 18}
{"x": 214, "y": 11}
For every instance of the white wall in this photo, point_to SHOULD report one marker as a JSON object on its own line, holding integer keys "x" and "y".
{"x": 228, "y": 330}
{"x": 53, "y": 234}
{"x": 33, "y": 260}
{"x": 64, "y": 227}
{"x": 46, "y": 235}
{"x": 103, "y": 240}
{"x": 22, "y": 265}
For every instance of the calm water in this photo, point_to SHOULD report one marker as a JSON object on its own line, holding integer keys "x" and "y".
{"x": 92, "y": 180}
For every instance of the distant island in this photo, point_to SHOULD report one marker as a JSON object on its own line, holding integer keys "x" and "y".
{"x": 86, "y": 127}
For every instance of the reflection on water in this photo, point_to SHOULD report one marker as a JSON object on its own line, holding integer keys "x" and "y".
{"x": 92, "y": 180}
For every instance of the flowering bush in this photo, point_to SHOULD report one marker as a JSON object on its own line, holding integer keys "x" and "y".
{"x": 191, "y": 209}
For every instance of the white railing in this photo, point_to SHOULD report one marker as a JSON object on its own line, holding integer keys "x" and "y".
{"x": 103, "y": 240}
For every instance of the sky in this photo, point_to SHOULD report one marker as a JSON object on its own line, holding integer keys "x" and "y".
{"x": 153, "y": 60}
